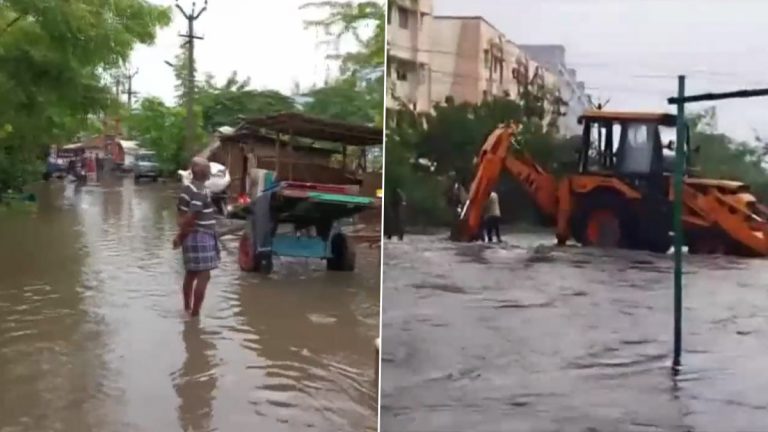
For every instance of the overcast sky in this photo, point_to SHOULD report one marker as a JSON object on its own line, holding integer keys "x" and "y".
{"x": 631, "y": 50}
{"x": 263, "y": 40}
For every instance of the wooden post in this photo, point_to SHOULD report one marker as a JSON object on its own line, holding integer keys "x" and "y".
{"x": 277, "y": 156}
{"x": 291, "y": 156}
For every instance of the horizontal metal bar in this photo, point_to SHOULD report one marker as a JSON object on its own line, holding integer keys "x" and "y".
{"x": 739, "y": 94}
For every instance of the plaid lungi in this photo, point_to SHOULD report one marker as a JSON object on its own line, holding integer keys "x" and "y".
{"x": 200, "y": 251}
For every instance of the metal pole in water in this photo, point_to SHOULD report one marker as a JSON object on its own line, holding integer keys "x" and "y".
{"x": 678, "y": 219}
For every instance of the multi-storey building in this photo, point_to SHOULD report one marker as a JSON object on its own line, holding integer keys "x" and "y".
{"x": 572, "y": 91}
{"x": 409, "y": 28}
{"x": 467, "y": 59}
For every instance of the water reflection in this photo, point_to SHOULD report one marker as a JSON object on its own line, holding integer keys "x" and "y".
{"x": 92, "y": 336}
{"x": 195, "y": 382}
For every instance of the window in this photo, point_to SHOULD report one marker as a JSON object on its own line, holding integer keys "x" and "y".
{"x": 485, "y": 94}
{"x": 402, "y": 15}
{"x": 487, "y": 58}
{"x": 389, "y": 13}
{"x": 401, "y": 75}
{"x": 636, "y": 148}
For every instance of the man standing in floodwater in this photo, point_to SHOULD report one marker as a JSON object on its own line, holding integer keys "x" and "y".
{"x": 197, "y": 236}
{"x": 393, "y": 214}
{"x": 492, "y": 217}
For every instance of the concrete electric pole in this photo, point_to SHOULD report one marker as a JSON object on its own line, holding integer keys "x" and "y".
{"x": 129, "y": 92}
{"x": 190, "y": 37}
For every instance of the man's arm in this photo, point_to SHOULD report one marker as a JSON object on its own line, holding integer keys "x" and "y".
{"x": 185, "y": 219}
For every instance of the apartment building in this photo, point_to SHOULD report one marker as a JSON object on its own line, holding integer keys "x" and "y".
{"x": 409, "y": 28}
{"x": 572, "y": 91}
{"x": 468, "y": 61}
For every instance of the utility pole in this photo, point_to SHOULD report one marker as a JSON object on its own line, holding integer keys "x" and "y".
{"x": 129, "y": 76}
{"x": 190, "y": 37}
{"x": 117, "y": 80}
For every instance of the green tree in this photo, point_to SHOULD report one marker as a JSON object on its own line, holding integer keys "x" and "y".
{"x": 160, "y": 128}
{"x": 352, "y": 18}
{"x": 224, "y": 105}
{"x": 54, "y": 60}
{"x": 348, "y": 99}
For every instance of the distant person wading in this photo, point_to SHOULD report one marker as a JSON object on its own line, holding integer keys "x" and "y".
{"x": 393, "y": 216}
{"x": 492, "y": 218}
{"x": 197, "y": 236}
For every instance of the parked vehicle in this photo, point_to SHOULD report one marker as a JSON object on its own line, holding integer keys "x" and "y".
{"x": 145, "y": 166}
{"x": 59, "y": 161}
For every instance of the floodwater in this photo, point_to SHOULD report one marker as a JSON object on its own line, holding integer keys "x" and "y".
{"x": 528, "y": 337}
{"x": 93, "y": 337}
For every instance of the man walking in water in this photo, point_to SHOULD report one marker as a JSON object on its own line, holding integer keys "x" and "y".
{"x": 197, "y": 236}
{"x": 492, "y": 218}
{"x": 393, "y": 216}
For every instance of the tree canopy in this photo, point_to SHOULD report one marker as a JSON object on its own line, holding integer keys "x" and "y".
{"x": 54, "y": 60}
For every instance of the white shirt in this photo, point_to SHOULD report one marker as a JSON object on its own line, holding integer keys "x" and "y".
{"x": 492, "y": 206}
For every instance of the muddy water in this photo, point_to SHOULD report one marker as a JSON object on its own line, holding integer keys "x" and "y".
{"x": 523, "y": 337}
{"x": 92, "y": 337}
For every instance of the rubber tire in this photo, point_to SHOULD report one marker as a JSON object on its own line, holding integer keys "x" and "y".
{"x": 343, "y": 254}
{"x": 660, "y": 245}
{"x": 597, "y": 201}
{"x": 245, "y": 256}
{"x": 155, "y": 179}
{"x": 264, "y": 264}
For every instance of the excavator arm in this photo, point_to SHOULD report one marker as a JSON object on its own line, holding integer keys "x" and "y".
{"x": 494, "y": 157}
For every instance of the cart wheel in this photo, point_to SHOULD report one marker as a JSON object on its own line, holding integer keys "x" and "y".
{"x": 245, "y": 254}
{"x": 343, "y": 254}
{"x": 265, "y": 264}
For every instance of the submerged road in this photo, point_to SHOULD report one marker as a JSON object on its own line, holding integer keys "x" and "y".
{"x": 527, "y": 337}
{"x": 93, "y": 338}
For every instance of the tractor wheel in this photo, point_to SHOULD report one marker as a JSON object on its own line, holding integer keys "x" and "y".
{"x": 245, "y": 256}
{"x": 342, "y": 254}
{"x": 661, "y": 245}
{"x": 707, "y": 244}
{"x": 600, "y": 220}
{"x": 264, "y": 263}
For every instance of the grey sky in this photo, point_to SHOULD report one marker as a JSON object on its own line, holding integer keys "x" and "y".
{"x": 632, "y": 50}
{"x": 263, "y": 40}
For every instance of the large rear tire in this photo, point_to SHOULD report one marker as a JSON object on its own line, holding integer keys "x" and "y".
{"x": 245, "y": 256}
{"x": 601, "y": 220}
{"x": 343, "y": 254}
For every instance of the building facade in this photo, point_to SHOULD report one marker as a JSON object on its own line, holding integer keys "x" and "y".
{"x": 409, "y": 29}
{"x": 572, "y": 91}
{"x": 434, "y": 59}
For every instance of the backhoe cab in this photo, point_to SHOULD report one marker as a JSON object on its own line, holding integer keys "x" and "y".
{"x": 626, "y": 142}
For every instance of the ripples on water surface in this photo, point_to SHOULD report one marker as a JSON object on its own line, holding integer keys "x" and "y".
{"x": 524, "y": 337}
{"x": 92, "y": 337}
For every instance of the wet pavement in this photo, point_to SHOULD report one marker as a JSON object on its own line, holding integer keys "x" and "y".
{"x": 529, "y": 337}
{"x": 92, "y": 336}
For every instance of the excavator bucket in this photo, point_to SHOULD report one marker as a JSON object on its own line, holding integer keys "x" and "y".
{"x": 488, "y": 169}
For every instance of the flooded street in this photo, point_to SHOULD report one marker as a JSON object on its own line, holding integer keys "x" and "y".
{"x": 93, "y": 336}
{"x": 524, "y": 337}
